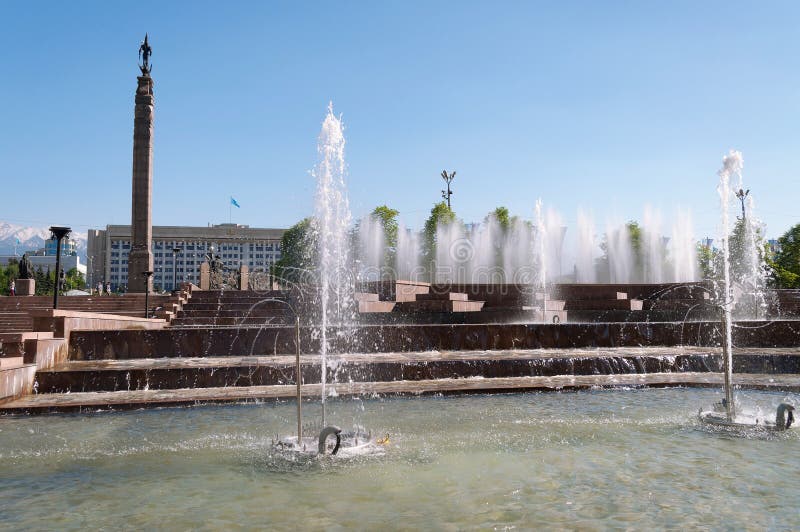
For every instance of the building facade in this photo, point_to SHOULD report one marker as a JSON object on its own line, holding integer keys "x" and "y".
{"x": 68, "y": 247}
{"x": 108, "y": 250}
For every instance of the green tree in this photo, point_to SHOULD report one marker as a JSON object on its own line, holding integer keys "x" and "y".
{"x": 708, "y": 260}
{"x": 740, "y": 249}
{"x": 43, "y": 284}
{"x": 505, "y": 221}
{"x": 8, "y": 273}
{"x": 502, "y": 216}
{"x": 441, "y": 214}
{"x": 298, "y": 252}
{"x": 388, "y": 218}
{"x": 74, "y": 280}
{"x": 785, "y": 264}
{"x": 633, "y": 232}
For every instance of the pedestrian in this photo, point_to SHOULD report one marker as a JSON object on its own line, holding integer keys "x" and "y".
{"x": 12, "y": 288}
{"x": 108, "y": 288}
{"x": 100, "y": 288}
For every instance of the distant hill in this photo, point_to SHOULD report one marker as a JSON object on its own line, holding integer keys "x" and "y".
{"x": 31, "y": 239}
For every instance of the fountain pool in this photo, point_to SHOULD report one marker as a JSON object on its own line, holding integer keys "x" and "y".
{"x": 591, "y": 459}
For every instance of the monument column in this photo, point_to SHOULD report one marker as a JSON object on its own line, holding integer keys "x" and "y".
{"x": 140, "y": 259}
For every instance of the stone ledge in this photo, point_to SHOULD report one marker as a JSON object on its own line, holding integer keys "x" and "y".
{"x": 93, "y": 401}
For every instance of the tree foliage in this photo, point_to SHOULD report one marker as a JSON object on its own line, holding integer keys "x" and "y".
{"x": 388, "y": 219}
{"x": 785, "y": 264}
{"x": 298, "y": 252}
{"x": 440, "y": 215}
{"x": 45, "y": 279}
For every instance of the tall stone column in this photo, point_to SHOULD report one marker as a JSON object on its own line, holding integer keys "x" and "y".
{"x": 140, "y": 258}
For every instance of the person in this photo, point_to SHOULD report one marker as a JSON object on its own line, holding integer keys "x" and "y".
{"x": 108, "y": 287}
{"x": 100, "y": 288}
{"x": 12, "y": 288}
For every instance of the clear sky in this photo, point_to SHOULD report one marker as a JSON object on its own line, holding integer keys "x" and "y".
{"x": 606, "y": 106}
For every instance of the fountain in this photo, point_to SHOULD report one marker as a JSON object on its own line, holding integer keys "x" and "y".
{"x": 335, "y": 287}
{"x": 724, "y": 414}
{"x": 332, "y": 221}
{"x": 489, "y": 253}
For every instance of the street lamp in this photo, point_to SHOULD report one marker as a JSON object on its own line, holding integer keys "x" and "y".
{"x": 58, "y": 234}
{"x": 448, "y": 178}
{"x": 175, "y": 252}
{"x": 742, "y": 194}
{"x": 147, "y": 275}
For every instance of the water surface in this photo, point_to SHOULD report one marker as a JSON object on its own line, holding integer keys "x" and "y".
{"x": 594, "y": 459}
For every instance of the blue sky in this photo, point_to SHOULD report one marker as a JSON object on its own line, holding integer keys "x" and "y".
{"x": 606, "y": 106}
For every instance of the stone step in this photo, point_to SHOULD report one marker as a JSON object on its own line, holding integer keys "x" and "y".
{"x": 201, "y": 372}
{"x": 92, "y": 401}
{"x": 439, "y": 305}
{"x": 549, "y": 304}
{"x": 16, "y": 381}
{"x": 678, "y": 304}
{"x": 11, "y": 362}
{"x": 366, "y": 296}
{"x": 442, "y": 296}
{"x": 586, "y": 292}
{"x": 383, "y": 337}
{"x": 244, "y": 307}
{"x": 231, "y": 320}
{"x": 603, "y": 304}
{"x": 226, "y": 313}
{"x": 375, "y": 307}
{"x": 235, "y": 295}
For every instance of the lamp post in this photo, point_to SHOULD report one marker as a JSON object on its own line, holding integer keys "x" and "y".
{"x": 147, "y": 275}
{"x": 175, "y": 252}
{"x": 742, "y": 194}
{"x": 58, "y": 234}
{"x": 448, "y": 178}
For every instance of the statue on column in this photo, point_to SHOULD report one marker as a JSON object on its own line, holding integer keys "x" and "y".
{"x": 144, "y": 54}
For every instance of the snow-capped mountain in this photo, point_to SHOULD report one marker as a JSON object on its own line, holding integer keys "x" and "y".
{"x": 31, "y": 239}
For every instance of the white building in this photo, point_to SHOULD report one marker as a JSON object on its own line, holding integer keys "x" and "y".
{"x": 107, "y": 251}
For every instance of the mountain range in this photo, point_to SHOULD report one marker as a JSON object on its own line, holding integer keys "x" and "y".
{"x": 32, "y": 239}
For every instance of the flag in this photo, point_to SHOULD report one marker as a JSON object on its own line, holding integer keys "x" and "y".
{"x": 233, "y": 202}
